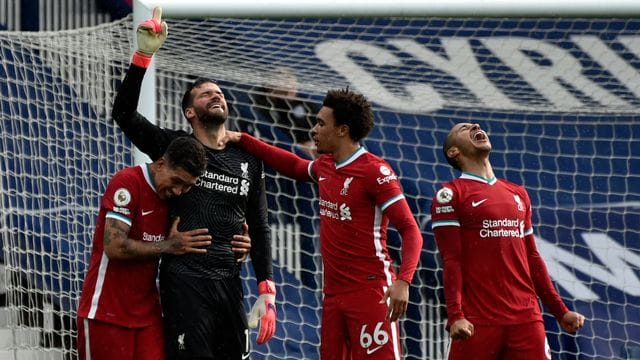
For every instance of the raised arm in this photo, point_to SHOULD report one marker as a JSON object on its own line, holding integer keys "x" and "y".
{"x": 149, "y": 138}
{"x": 282, "y": 161}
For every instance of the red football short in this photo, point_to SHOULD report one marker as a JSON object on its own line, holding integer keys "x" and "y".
{"x": 102, "y": 341}
{"x": 514, "y": 342}
{"x": 354, "y": 327}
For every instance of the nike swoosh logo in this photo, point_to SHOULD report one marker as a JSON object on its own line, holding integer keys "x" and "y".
{"x": 476, "y": 203}
{"x": 145, "y": 213}
{"x": 322, "y": 178}
{"x": 371, "y": 351}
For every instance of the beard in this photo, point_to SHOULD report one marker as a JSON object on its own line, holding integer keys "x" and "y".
{"x": 217, "y": 118}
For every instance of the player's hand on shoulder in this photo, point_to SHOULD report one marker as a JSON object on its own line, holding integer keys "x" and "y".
{"x": 241, "y": 244}
{"x": 397, "y": 295}
{"x": 461, "y": 329}
{"x": 230, "y": 136}
{"x": 152, "y": 33}
{"x": 572, "y": 321}
{"x": 182, "y": 242}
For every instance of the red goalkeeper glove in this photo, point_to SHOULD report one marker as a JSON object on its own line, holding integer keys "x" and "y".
{"x": 151, "y": 34}
{"x": 264, "y": 311}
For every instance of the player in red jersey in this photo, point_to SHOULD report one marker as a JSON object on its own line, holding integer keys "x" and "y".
{"x": 359, "y": 195}
{"x": 119, "y": 314}
{"x": 493, "y": 273}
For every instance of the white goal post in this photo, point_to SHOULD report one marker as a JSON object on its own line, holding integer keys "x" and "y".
{"x": 555, "y": 83}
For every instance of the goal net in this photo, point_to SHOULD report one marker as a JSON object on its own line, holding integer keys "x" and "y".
{"x": 559, "y": 98}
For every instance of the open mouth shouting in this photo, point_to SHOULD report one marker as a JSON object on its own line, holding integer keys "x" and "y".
{"x": 479, "y": 136}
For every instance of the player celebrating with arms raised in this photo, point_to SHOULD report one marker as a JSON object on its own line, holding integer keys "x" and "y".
{"x": 493, "y": 273}
{"x": 359, "y": 195}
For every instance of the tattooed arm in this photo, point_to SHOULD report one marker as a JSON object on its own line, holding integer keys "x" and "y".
{"x": 118, "y": 245}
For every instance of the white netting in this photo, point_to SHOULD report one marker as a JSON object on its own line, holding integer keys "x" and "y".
{"x": 559, "y": 98}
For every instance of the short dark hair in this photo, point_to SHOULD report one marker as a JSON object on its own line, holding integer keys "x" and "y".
{"x": 352, "y": 109}
{"x": 187, "y": 153}
{"x": 187, "y": 100}
{"x": 448, "y": 143}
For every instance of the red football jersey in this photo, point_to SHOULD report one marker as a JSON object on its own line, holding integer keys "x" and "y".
{"x": 493, "y": 217}
{"x": 124, "y": 292}
{"x": 353, "y": 229}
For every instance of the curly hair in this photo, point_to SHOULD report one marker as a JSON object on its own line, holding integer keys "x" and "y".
{"x": 351, "y": 109}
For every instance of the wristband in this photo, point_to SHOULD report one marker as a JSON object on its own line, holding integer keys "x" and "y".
{"x": 141, "y": 60}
